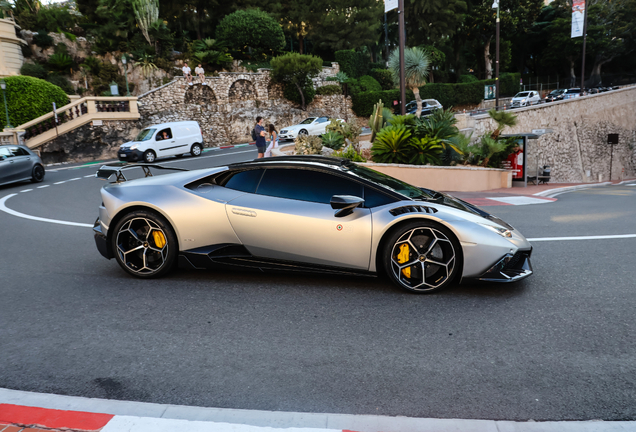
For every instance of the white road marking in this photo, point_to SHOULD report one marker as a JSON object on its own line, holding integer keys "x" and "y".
{"x": 76, "y": 178}
{"x": 42, "y": 187}
{"x": 60, "y": 182}
{"x": 90, "y": 175}
{"x": 618, "y": 236}
{"x": 26, "y": 190}
{"x": 521, "y": 200}
{"x": 5, "y": 209}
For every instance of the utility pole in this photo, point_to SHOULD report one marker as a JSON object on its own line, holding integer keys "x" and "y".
{"x": 496, "y": 3}
{"x": 386, "y": 37}
{"x": 402, "y": 37}
{"x": 583, "y": 59}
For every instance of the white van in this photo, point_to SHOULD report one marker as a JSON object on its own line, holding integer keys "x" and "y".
{"x": 162, "y": 140}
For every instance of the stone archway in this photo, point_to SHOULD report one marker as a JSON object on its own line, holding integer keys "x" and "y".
{"x": 199, "y": 94}
{"x": 242, "y": 90}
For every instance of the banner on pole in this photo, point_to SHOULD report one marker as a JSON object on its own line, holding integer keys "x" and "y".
{"x": 578, "y": 14}
{"x": 390, "y": 5}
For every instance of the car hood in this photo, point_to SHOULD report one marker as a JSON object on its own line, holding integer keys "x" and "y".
{"x": 293, "y": 128}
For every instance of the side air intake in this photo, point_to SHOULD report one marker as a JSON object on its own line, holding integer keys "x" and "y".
{"x": 412, "y": 209}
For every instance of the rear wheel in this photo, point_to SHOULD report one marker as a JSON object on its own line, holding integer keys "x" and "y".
{"x": 37, "y": 175}
{"x": 196, "y": 150}
{"x": 144, "y": 244}
{"x": 422, "y": 257}
{"x": 149, "y": 156}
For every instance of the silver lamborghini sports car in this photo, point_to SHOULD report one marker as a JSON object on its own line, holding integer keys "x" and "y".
{"x": 303, "y": 213}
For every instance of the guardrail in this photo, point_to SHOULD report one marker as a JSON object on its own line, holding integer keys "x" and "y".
{"x": 78, "y": 113}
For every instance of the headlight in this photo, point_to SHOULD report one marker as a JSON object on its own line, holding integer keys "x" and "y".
{"x": 134, "y": 146}
{"x": 501, "y": 231}
{"x": 283, "y": 131}
{"x": 523, "y": 100}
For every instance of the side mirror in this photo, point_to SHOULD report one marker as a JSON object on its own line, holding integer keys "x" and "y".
{"x": 344, "y": 204}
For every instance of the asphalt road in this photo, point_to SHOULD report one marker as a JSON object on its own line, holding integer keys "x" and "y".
{"x": 557, "y": 346}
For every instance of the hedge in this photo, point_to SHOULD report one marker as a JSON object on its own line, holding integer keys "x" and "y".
{"x": 29, "y": 98}
{"x": 354, "y": 64}
{"x": 329, "y": 90}
{"x": 448, "y": 95}
{"x": 384, "y": 77}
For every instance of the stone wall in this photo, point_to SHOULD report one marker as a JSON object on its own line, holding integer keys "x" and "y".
{"x": 577, "y": 150}
{"x": 11, "y": 58}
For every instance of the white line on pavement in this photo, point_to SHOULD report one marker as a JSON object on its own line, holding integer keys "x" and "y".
{"x": 26, "y": 190}
{"x": 90, "y": 175}
{"x": 60, "y": 182}
{"x": 76, "y": 178}
{"x": 5, "y": 209}
{"x": 618, "y": 236}
{"x": 42, "y": 187}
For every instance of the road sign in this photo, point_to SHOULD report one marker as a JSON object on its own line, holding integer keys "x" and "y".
{"x": 612, "y": 138}
{"x": 390, "y": 5}
{"x": 541, "y": 131}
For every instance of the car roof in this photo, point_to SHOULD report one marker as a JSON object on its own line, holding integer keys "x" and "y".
{"x": 295, "y": 160}
{"x": 171, "y": 124}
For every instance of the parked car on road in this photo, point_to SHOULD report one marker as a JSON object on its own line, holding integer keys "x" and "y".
{"x": 428, "y": 106}
{"x": 309, "y": 126}
{"x": 555, "y": 95}
{"x": 19, "y": 163}
{"x": 163, "y": 140}
{"x": 572, "y": 93}
{"x": 525, "y": 98}
{"x": 307, "y": 214}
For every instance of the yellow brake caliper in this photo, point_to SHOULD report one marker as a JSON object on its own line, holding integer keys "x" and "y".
{"x": 403, "y": 257}
{"x": 160, "y": 239}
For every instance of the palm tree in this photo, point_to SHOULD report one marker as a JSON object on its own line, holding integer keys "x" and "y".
{"x": 503, "y": 119}
{"x": 417, "y": 63}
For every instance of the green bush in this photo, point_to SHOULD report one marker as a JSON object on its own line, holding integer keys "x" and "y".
{"x": 384, "y": 77}
{"x": 349, "y": 153}
{"x": 509, "y": 84}
{"x": 329, "y": 90}
{"x": 34, "y": 70}
{"x": 354, "y": 64}
{"x": 42, "y": 39}
{"x": 392, "y": 145}
{"x": 60, "y": 62}
{"x": 333, "y": 140}
{"x": 381, "y": 66}
{"x": 29, "y": 98}
{"x": 251, "y": 29}
{"x": 467, "y": 79}
{"x": 61, "y": 82}
{"x": 368, "y": 83}
{"x": 290, "y": 92}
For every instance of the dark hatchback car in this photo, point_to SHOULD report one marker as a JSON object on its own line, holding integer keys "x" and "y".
{"x": 19, "y": 163}
{"x": 555, "y": 95}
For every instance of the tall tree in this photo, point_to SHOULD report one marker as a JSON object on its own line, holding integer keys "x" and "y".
{"x": 431, "y": 20}
{"x": 146, "y": 12}
{"x": 296, "y": 69}
{"x": 417, "y": 63}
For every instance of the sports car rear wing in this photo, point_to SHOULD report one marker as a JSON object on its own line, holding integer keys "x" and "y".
{"x": 117, "y": 168}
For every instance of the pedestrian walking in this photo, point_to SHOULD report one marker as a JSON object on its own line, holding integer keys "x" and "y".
{"x": 273, "y": 140}
{"x": 200, "y": 73}
{"x": 187, "y": 73}
{"x": 259, "y": 134}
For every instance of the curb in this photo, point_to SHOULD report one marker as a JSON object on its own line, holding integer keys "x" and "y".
{"x": 553, "y": 192}
{"x": 78, "y": 414}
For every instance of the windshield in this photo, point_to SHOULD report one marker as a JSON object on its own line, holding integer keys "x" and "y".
{"x": 145, "y": 135}
{"x": 308, "y": 121}
{"x": 522, "y": 94}
{"x": 388, "y": 182}
{"x": 574, "y": 90}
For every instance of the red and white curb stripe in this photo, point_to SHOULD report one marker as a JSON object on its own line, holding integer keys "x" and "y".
{"x": 24, "y": 416}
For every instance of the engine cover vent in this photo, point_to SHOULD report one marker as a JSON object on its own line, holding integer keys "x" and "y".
{"x": 412, "y": 209}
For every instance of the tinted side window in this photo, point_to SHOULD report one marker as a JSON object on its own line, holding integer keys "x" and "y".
{"x": 375, "y": 198}
{"x": 17, "y": 151}
{"x": 244, "y": 181}
{"x": 306, "y": 185}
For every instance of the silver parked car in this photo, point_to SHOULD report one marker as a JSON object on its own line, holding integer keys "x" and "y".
{"x": 19, "y": 163}
{"x": 307, "y": 213}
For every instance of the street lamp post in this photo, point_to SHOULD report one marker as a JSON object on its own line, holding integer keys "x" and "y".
{"x": 123, "y": 60}
{"x": 401, "y": 52}
{"x": 3, "y": 85}
{"x": 495, "y": 5}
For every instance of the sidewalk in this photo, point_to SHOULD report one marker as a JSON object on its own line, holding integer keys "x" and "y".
{"x": 533, "y": 194}
{"x": 40, "y": 412}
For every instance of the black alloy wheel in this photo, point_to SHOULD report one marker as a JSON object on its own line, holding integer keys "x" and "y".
{"x": 303, "y": 132}
{"x": 422, "y": 257}
{"x": 144, "y": 244}
{"x": 37, "y": 175}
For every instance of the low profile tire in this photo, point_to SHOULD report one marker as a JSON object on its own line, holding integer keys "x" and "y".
{"x": 421, "y": 257}
{"x": 196, "y": 150}
{"x": 303, "y": 132}
{"x": 149, "y": 156}
{"x": 37, "y": 175}
{"x": 144, "y": 244}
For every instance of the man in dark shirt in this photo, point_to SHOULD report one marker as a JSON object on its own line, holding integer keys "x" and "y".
{"x": 261, "y": 143}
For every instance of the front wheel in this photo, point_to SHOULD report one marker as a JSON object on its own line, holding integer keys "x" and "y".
{"x": 144, "y": 244}
{"x": 196, "y": 150}
{"x": 149, "y": 156}
{"x": 303, "y": 132}
{"x": 422, "y": 257}
{"x": 37, "y": 175}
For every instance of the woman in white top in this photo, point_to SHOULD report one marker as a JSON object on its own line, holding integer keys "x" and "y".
{"x": 200, "y": 73}
{"x": 273, "y": 143}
